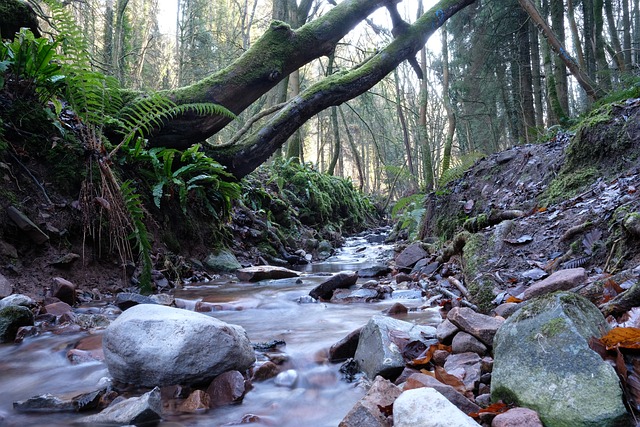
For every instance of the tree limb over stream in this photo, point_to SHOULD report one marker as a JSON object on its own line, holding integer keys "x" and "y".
{"x": 279, "y": 52}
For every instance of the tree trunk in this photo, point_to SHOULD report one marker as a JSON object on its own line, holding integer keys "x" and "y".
{"x": 559, "y": 73}
{"x": 626, "y": 35}
{"x": 585, "y": 82}
{"x": 526, "y": 84}
{"x": 602, "y": 74}
{"x": 451, "y": 116}
{"x": 613, "y": 33}
{"x": 354, "y": 149}
{"x": 275, "y": 55}
{"x": 427, "y": 159}
{"x": 536, "y": 76}
{"x": 403, "y": 125}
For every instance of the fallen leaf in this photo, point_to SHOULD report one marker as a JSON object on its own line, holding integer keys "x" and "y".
{"x": 446, "y": 378}
{"x": 511, "y": 298}
{"x": 494, "y": 408}
{"x": 525, "y": 238}
{"x": 413, "y": 350}
{"x": 622, "y": 337}
{"x": 611, "y": 289}
{"x": 387, "y": 411}
{"x": 425, "y": 357}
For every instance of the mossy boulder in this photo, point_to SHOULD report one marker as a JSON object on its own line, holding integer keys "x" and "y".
{"x": 224, "y": 261}
{"x": 542, "y": 361}
{"x": 12, "y": 318}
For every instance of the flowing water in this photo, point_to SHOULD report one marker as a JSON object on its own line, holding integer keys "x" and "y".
{"x": 268, "y": 310}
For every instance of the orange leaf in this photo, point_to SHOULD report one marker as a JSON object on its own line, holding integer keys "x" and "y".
{"x": 511, "y": 298}
{"x": 622, "y": 337}
{"x": 426, "y": 358}
{"x": 494, "y": 408}
{"x": 448, "y": 379}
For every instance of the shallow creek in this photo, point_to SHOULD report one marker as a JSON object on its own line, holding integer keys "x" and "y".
{"x": 268, "y": 310}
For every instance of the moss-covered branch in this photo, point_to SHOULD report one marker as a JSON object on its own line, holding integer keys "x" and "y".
{"x": 334, "y": 90}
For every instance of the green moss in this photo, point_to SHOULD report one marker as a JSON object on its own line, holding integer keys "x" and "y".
{"x": 482, "y": 295}
{"x": 568, "y": 184}
{"x": 554, "y": 327}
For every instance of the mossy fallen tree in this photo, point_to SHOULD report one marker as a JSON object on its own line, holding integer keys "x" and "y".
{"x": 279, "y": 52}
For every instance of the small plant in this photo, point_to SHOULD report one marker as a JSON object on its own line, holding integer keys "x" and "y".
{"x": 407, "y": 213}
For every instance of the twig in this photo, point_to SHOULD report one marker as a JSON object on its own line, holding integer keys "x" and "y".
{"x": 458, "y": 284}
{"x": 250, "y": 122}
{"x": 450, "y": 294}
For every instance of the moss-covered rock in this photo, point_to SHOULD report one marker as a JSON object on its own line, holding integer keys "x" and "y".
{"x": 12, "y": 318}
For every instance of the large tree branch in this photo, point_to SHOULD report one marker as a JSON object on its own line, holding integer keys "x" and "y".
{"x": 334, "y": 90}
{"x": 278, "y": 53}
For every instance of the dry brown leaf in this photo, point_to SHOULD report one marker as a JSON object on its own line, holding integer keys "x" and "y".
{"x": 446, "y": 378}
{"x": 494, "y": 408}
{"x": 622, "y": 337}
{"x": 426, "y": 357}
{"x": 511, "y": 298}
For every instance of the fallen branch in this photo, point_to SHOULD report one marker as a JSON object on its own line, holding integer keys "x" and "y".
{"x": 481, "y": 221}
{"x": 448, "y": 293}
{"x": 575, "y": 230}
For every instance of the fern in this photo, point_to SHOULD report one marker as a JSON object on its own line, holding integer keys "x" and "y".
{"x": 405, "y": 202}
{"x": 139, "y": 233}
{"x": 459, "y": 168}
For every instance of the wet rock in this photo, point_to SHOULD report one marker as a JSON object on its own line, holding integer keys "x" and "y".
{"x": 288, "y": 378}
{"x": 543, "y": 361}
{"x": 45, "y": 403}
{"x": 406, "y": 294}
{"x": 559, "y": 281}
{"x": 349, "y": 370}
{"x": 396, "y": 309}
{"x": 126, "y": 300}
{"x": 445, "y": 331}
{"x": 5, "y": 287}
{"x": 517, "y": 417}
{"x": 375, "y": 238}
{"x": 464, "y": 343}
{"x": 418, "y": 380}
{"x": 479, "y": 325}
{"x": 535, "y": 274}
{"x": 11, "y": 319}
{"x": 425, "y": 407}
{"x": 223, "y": 261}
{"x": 64, "y": 290}
{"x": 26, "y": 225}
{"x": 345, "y": 348}
{"x": 379, "y": 351}
{"x": 368, "y": 410}
{"x": 8, "y": 250}
{"x": 341, "y": 280}
{"x": 410, "y": 255}
{"x": 57, "y": 308}
{"x": 357, "y": 295}
{"x": 227, "y": 388}
{"x": 152, "y": 345}
{"x": 264, "y": 272}
{"x": 91, "y": 321}
{"x": 425, "y": 268}
{"x": 162, "y": 299}
{"x": 403, "y": 277}
{"x": 265, "y": 371}
{"x": 17, "y": 300}
{"x": 465, "y": 366}
{"x": 197, "y": 402}
{"x": 24, "y": 332}
{"x": 133, "y": 411}
{"x": 374, "y": 271}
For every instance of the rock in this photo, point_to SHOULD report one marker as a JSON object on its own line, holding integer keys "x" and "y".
{"x": 163, "y": 299}
{"x": 341, "y": 280}
{"x": 506, "y": 309}
{"x": 152, "y": 345}
{"x": 133, "y": 411}
{"x": 198, "y": 401}
{"x": 406, "y": 294}
{"x": 5, "y": 287}
{"x": 91, "y": 321}
{"x": 8, "y": 250}
{"x": 425, "y": 268}
{"x": 396, "y": 309}
{"x": 26, "y": 225}
{"x": 64, "y": 290}
{"x": 65, "y": 261}
{"x": 15, "y": 300}
{"x": 375, "y": 238}
{"x": 57, "y": 308}
{"x": 50, "y": 403}
{"x": 345, "y": 348}
{"x": 479, "y": 325}
{"x": 126, "y": 300}
{"x": 410, "y": 255}
{"x": 425, "y": 407}
{"x": 403, "y": 277}
{"x": 543, "y": 361}
{"x": 374, "y": 271}
{"x": 445, "y": 331}
{"x": 228, "y": 387}
{"x": 288, "y": 378}
{"x": 12, "y": 318}
{"x": 467, "y": 367}
{"x": 368, "y": 410}
{"x": 265, "y": 371}
{"x": 559, "y": 281}
{"x": 378, "y": 354}
{"x": 223, "y": 262}
{"x": 535, "y": 274}
{"x": 264, "y": 272}
{"x": 418, "y": 380}
{"x": 464, "y": 343}
{"x": 357, "y": 295}
{"x": 517, "y": 417}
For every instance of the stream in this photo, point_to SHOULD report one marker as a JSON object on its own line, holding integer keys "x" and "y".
{"x": 268, "y": 310}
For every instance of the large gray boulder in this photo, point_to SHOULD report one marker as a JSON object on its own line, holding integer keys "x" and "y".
{"x": 378, "y": 352}
{"x": 543, "y": 362}
{"x": 150, "y": 345}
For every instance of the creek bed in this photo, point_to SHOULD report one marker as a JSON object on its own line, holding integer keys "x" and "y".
{"x": 268, "y": 310}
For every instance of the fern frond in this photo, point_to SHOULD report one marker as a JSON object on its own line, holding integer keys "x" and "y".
{"x": 459, "y": 168}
